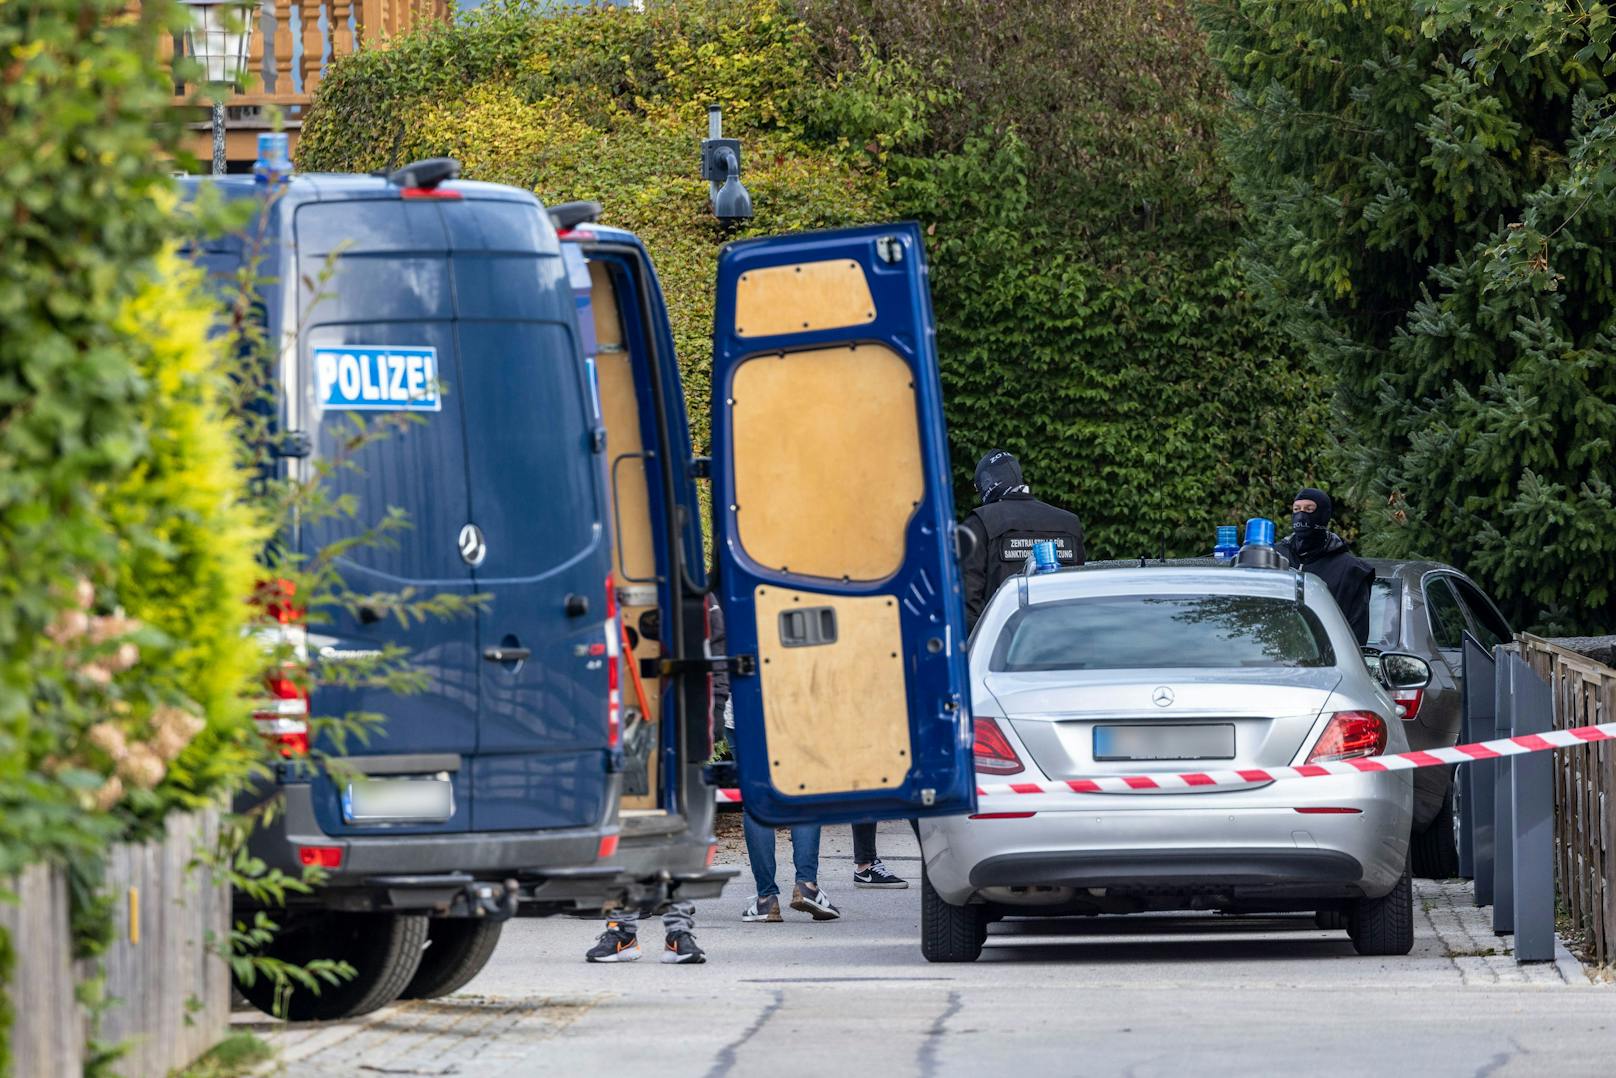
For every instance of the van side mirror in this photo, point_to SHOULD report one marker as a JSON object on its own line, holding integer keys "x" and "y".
{"x": 1398, "y": 670}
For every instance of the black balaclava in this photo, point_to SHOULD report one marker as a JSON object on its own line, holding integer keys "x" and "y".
{"x": 997, "y": 474}
{"x": 1311, "y": 531}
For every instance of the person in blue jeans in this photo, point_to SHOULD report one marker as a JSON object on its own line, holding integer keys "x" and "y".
{"x": 806, "y": 894}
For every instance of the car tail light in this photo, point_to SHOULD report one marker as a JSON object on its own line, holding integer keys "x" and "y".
{"x": 992, "y": 750}
{"x": 614, "y": 670}
{"x": 1408, "y": 702}
{"x": 607, "y": 847}
{"x": 430, "y": 192}
{"x": 1349, "y": 735}
{"x": 320, "y": 856}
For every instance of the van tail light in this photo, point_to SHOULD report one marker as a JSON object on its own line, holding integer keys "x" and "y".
{"x": 283, "y": 716}
{"x": 1350, "y": 735}
{"x": 283, "y": 719}
{"x": 614, "y": 670}
{"x": 607, "y": 847}
{"x": 992, "y": 750}
{"x": 707, "y": 636}
{"x": 1408, "y": 702}
{"x": 440, "y": 193}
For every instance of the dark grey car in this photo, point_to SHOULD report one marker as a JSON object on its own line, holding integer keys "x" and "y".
{"x": 1425, "y": 608}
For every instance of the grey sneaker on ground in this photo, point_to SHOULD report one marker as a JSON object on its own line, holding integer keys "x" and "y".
{"x": 763, "y": 909}
{"x": 681, "y": 950}
{"x": 813, "y": 901}
{"x": 878, "y": 876}
{"x": 616, "y": 944}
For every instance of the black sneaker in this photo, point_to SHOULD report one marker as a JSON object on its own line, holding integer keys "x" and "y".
{"x": 682, "y": 950}
{"x": 616, "y": 944}
{"x": 878, "y": 876}
{"x": 763, "y": 909}
{"x": 811, "y": 900}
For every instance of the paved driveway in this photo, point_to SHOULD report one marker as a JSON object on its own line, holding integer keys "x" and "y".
{"x": 1148, "y": 995}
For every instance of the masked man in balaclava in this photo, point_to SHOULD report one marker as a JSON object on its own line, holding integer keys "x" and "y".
{"x": 1006, "y": 525}
{"x": 1314, "y": 548}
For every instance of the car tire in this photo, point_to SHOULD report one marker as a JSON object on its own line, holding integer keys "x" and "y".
{"x": 1384, "y": 925}
{"x": 383, "y": 948}
{"x": 949, "y": 933}
{"x": 456, "y": 951}
{"x": 1433, "y": 852}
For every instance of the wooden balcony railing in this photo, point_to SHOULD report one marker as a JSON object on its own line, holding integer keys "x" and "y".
{"x": 292, "y": 45}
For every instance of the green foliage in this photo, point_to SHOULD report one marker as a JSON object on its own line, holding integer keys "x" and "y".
{"x": 236, "y": 1055}
{"x": 1092, "y": 316}
{"x": 1431, "y": 186}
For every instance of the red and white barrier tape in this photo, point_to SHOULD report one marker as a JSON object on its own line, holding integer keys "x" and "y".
{"x": 1398, "y": 761}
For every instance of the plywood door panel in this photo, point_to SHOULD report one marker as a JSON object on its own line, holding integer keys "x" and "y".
{"x": 838, "y": 713}
{"x": 827, "y": 462}
{"x": 805, "y": 297}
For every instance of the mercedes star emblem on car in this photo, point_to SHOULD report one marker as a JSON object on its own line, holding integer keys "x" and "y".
{"x": 1163, "y": 696}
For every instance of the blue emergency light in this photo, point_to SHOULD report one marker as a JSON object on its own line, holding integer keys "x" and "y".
{"x": 274, "y": 162}
{"x": 1259, "y": 532}
{"x": 1043, "y": 556}
{"x": 1228, "y": 544}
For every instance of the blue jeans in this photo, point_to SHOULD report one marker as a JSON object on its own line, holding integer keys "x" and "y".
{"x": 760, "y": 851}
{"x": 760, "y": 846}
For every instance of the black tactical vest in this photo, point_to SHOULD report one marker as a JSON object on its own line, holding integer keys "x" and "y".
{"x": 1014, "y": 523}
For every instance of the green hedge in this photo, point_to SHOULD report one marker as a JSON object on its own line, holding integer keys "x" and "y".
{"x": 1092, "y": 314}
{"x": 128, "y": 552}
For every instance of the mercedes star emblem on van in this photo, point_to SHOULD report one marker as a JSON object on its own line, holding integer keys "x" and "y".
{"x": 394, "y": 379}
{"x": 472, "y": 547}
{"x": 1163, "y": 696}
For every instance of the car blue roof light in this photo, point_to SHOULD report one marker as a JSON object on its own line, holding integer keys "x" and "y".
{"x": 1259, "y": 532}
{"x": 1043, "y": 556}
{"x": 274, "y": 162}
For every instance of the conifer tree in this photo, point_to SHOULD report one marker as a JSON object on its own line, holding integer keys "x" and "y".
{"x": 1429, "y": 188}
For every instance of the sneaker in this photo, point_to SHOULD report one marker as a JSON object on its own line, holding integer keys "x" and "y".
{"x": 763, "y": 909}
{"x": 682, "y": 950}
{"x": 878, "y": 876}
{"x": 616, "y": 944}
{"x": 811, "y": 900}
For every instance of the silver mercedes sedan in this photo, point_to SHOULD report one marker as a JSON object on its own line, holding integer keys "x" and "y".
{"x": 1125, "y": 672}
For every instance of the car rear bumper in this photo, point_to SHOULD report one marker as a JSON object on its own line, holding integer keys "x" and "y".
{"x": 1245, "y": 845}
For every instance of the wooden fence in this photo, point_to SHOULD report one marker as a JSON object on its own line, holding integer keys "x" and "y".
{"x": 169, "y": 988}
{"x": 1584, "y": 793}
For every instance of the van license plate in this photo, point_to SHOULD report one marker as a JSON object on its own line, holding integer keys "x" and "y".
{"x": 405, "y": 799}
{"x": 1204, "y": 741}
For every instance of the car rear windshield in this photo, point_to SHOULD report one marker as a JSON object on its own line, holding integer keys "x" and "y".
{"x": 1137, "y": 632}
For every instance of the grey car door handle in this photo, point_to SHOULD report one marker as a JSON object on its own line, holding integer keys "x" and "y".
{"x": 507, "y": 655}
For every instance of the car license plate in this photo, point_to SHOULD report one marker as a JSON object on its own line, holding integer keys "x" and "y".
{"x": 1203, "y": 741}
{"x": 405, "y": 799}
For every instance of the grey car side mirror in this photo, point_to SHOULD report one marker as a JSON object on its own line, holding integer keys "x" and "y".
{"x": 1398, "y": 670}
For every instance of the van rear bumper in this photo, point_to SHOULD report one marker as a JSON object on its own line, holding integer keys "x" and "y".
{"x": 372, "y": 865}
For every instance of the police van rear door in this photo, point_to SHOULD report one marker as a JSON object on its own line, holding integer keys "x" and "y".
{"x": 834, "y": 525}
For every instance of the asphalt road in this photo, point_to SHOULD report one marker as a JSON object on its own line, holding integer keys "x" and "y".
{"x": 1162, "y": 995}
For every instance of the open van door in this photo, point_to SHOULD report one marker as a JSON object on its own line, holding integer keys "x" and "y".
{"x": 834, "y": 527}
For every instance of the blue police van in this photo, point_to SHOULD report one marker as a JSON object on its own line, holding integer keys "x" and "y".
{"x": 557, "y": 758}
